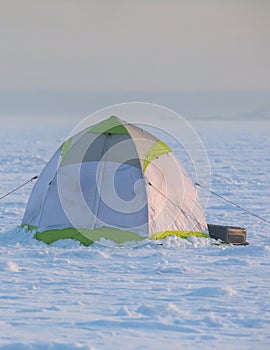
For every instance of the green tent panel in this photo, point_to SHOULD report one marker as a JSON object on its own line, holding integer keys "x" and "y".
{"x": 109, "y": 126}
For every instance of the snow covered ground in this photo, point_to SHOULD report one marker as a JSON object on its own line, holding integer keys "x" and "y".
{"x": 186, "y": 294}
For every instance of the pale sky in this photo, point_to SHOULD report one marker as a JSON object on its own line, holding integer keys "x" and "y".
{"x": 142, "y": 45}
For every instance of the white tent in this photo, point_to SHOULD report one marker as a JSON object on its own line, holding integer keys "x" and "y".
{"x": 117, "y": 181}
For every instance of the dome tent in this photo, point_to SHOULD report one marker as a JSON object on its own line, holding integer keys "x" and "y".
{"x": 117, "y": 181}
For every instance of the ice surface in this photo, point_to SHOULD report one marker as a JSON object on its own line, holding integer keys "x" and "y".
{"x": 182, "y": 294}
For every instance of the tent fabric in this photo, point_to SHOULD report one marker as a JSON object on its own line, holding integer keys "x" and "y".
{"x": 157, "y": 150}
{"x": 109, "y": 126}
{"x": 111, "y": 177}
{"x": 179, "y": 205}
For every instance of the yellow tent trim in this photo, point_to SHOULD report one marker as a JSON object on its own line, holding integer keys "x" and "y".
{"x": 155, "y": 151}
{"x": 180, "y": 234}
{"x": 65, "y": 147}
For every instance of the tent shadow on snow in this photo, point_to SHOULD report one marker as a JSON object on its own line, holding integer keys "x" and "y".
{"x": 117, "y": 181}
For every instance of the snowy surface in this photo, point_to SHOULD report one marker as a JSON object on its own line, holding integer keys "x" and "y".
{"x": 184, "y": 294}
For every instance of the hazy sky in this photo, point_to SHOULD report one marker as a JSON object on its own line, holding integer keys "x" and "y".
{"x": 143, "y": 45}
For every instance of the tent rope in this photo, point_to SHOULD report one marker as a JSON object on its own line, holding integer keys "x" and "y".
{"x": 15, "y": 189}
{"x": 234, "y": 204}
{"x": 187, "y": 215}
